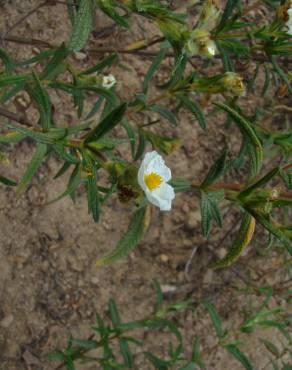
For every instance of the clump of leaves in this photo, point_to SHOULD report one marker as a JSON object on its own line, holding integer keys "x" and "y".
{"x": 88, "y": 148}
{"x": 112, "y": 344}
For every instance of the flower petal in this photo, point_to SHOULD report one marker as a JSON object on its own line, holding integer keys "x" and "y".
{"x": 157, "y": 165}
{"x": 162, "y": 197}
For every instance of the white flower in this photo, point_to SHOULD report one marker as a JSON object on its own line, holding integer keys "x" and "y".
{"x": 108, "y": 81}
{"x": 153, "y": 176}
{"x": 289, "y": 22}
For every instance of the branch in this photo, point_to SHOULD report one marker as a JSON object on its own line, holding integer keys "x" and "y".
{"x": 14, "y": 116}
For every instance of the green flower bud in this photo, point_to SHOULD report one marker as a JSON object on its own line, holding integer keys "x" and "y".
{"x": 233, "y": 82}
{"x": 200, "y": 43}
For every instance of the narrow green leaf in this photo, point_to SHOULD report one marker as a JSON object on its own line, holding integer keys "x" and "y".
{"x": 255, "y": 146}
{"x": 159, "y": 295}
{"x": 267, "y": 82}
{"x": 126, "y": 353}
{"x": 62, "y": 170}
{"x": 130, "y": 239}
{"x": 57, "y": 356}
{"x": 268, "y": 225}
{"x": 82, "y": 26}
{"x": 6, "y": 181}
{"x": 242, "y": 240}
{"x": 7, "y": 61}
{"x": 37, "y": 58}
{"x": 114, "y": 313}
{"x": 11, "y": 137}
{"x": 281, "y": 73}
{"x": 6, "y": 79}
{"x": 84, "y": 343}
{"x": 214, "y": 317}
{"x": 216, "y": 170}
{"x": 34, "y": 165}
{"x": 206, "y": 214}
{"x": 131, "y": 135}
{"x": 73, "y": 183}
{"x": 99, "y": 66}
{"x": 156, "y": 362}
{"x": 194, "y": 108}
{"x": 92, "y": 191}
{"x": 141, "y": 145}
{"x": 228, "y": 10}
{"x": 151, "y": 71}
{"x": 108, "y": 8}
{"x": 107, "y": 124}
{"x": 42, "y": 99}
{"x": 261, "y": 182}
{"x": 59, "y": 56}
{"x": 165, "y": 113}
{"x": 271, "y": 347}
{"x": 241, "y": 357}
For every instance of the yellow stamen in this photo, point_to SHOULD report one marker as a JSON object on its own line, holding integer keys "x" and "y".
{"x": 152, "y": 180}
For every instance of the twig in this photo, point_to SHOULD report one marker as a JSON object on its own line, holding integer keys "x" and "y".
{"x": 14, "y": 116}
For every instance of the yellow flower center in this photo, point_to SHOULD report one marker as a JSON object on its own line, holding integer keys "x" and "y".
{"x": 152, "y": 180}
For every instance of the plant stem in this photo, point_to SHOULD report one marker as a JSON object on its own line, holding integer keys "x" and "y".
{"x": 14, "y": 116}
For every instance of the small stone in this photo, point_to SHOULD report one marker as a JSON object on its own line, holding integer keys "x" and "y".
{"x": 194, "y": 219}
{"x": 168, "y": 288}
{"x": 221, "y": 252}
{"x": 208, "y": 277}
{"x": 164, "y": 258}
{"x": 7, "y": 321}
{"x": 78, "y": 55}
{"x": 94, "y": 280}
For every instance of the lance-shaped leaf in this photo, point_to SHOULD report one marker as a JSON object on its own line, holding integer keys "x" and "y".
{"x": 216, "y": 170}
{"x": 8, "y": 63}
{"x": 241, "y": 242}
{"x": 34, "y": 165}
{"x": 82, "y": 26}
{"x": 165, "y": 113}
{"x": 74, "y": 182}
{"x": 130, "y": 239}
{"x": 214, "y": 317}
{"x": 194, "y": 107}
{"x": 151, "y": 71}
{"x": 42, "y": 99}
{"x": 99, "y": 66}
{"x": 54, "y": 64}
{"x": 6, "y": 79}
{"x": 107, "y": 124}
{"x": 254, "y": 145}
{"x": 268, "y": 225}
{"x": 11, "y": 137}
{"x": 263, "y": 181}
{"x": 92, "y": 193}
{"x": 241, "y": 357}
{"x": 210, "y": 210}
{"x": 228, "y": 10}
{"x": 6, "y": 181}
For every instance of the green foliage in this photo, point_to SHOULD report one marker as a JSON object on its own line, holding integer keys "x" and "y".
{"x": 108, "y": 333}
{"x": 130, "y": 239}
{"x": 82, "y": 25}
{"x": 242, "y": 240}
{"x": 207, "y": 62}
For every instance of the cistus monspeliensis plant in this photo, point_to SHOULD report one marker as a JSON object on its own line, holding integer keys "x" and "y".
{"x": 209, "y": 45}
{"x": 218, "y": 35}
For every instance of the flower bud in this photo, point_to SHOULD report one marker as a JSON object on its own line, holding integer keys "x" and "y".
{"x": 209, "y": 14}
{"x": 233, "y": 83}
{"x": 200, "y": 43}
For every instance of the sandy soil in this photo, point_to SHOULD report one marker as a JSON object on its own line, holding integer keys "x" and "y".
{"x": 49, "y": 284}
